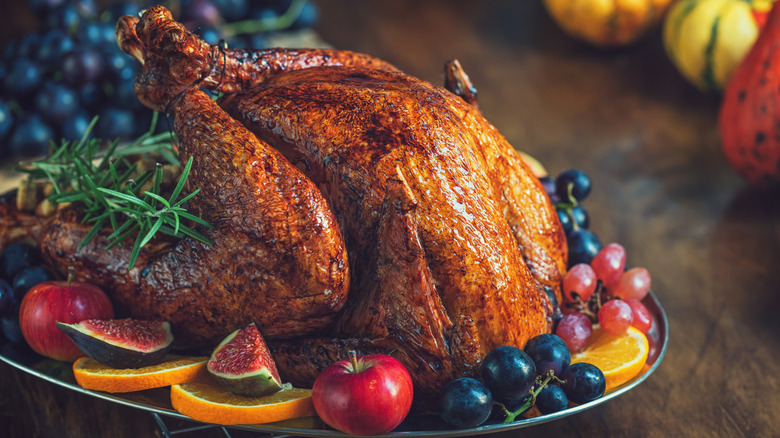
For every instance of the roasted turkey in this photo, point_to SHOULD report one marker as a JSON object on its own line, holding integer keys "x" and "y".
{"x": 354, "y": 207}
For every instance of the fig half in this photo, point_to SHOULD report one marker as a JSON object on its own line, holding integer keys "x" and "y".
{"x": 121, "y": 343}
{"x": 244, "y": 364}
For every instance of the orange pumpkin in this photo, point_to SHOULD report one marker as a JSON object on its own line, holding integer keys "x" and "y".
{"x": 749, "y": 119}
{"x": 606, "y": 23}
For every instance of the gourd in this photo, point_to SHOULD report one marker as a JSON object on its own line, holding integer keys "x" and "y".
{"x": 749, "y": 119}
{"x": 706, "y": 39}
{"x": 606, "y": 23}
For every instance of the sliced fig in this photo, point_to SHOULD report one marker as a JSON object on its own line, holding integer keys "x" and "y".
{"x": 121, "y": 343}
{"x": 242, "y": 361}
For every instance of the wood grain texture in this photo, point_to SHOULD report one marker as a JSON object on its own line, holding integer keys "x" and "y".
{"x": 661, "y": 188}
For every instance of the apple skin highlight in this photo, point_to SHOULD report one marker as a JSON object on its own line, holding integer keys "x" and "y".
{"x": 363, "y": 395}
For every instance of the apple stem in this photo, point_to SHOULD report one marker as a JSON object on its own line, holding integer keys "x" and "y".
{"x": 353, "y": 360}
{"x": 71, "y": 269}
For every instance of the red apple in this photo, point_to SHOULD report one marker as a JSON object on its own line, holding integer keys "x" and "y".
{"x": 363, "y": 395}
{"x": 68, "y": 302}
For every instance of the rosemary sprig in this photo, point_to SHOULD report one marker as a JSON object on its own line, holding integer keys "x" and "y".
{"x": 103, "y": 182}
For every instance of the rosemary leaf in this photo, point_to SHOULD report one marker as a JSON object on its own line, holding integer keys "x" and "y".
{"x": 158, "y": 174}
{"x": 129, "y": 211}
{"x": 109, "y": 153}
{"x": 69, "y": 197}
{"x": 180, "y": 202}
{"x": 118, "y": 231}
{"x": 158, "y": 198}
{"x": 185, "y": 173}
{"x": 126, "y": 234}
{"x": 150, "y": 147}
{"x": 91, "y": 234}
{"x": 112, "y": 172}
{"x": 101, "y": 216}
{"x": 129, "y": 198}
{"x": 176, "y": 224}
{"x": 89, "y": 182}
{"x": 195, "y": 219}
{"x": 51, "y": 167}
{"x": 85, "y": 136}
{"x": 135, "y": 251}
{"x": 152, "y": 232}
{"x": 113, "y": 220}
{"x": 195, "y": 235}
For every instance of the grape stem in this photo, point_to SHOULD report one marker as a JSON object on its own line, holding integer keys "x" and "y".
{"x": 541, "y": 382}
{"x": 568, "y": 204}
{"x": 584, "y": 309}
{"x": 591, "y": 307}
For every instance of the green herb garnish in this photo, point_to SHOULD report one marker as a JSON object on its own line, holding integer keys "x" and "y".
{"x": 106, "y": 184}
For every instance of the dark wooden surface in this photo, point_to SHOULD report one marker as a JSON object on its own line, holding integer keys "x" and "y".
{"x": 661, "y": 188}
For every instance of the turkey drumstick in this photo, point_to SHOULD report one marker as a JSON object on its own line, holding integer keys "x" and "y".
{"x": 278, "y": 257}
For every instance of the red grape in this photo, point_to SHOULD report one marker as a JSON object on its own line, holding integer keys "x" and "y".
{"x": 642, "y": 320}
{"x": 609, "y": 264}
{"x": 575, "y": 329}
{"x": 580, "y": 280}
{"x": 615, "y": 317}
{"x": 633, "y": 284}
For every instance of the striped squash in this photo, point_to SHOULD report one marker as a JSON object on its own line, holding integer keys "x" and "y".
{"x": 707, "y": 39}
{"x": 606, "y": 23}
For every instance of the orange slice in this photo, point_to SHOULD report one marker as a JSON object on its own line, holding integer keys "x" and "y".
{"x": 211, "y": 403}
{"x": 619, "y": 357}
{"x": 91, "y": 374}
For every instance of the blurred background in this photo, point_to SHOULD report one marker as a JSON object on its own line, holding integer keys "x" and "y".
{"x": 61, "y": 65}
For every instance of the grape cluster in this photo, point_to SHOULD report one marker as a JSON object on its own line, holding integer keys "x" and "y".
{"x": 54, "y": 80}
{"x": 603, "y": 291}
{"x": 596, "y": 287}
{"x": 567, "y": 191}
{"x": 514, "y": 380}
{"x": 20, "y": 270}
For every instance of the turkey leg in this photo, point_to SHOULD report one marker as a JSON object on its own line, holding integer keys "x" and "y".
{"x": 278, "y": 257}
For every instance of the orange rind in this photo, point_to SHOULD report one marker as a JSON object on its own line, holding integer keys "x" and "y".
{"x": 91, "y": 374}
{"x": 213, "y": 403}
{"x": 619, "y": 357}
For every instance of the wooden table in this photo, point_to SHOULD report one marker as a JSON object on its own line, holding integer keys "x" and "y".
{"x": 661, "y": 188}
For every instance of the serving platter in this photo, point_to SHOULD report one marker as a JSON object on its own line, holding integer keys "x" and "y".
{"x": 157, "y": 401}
